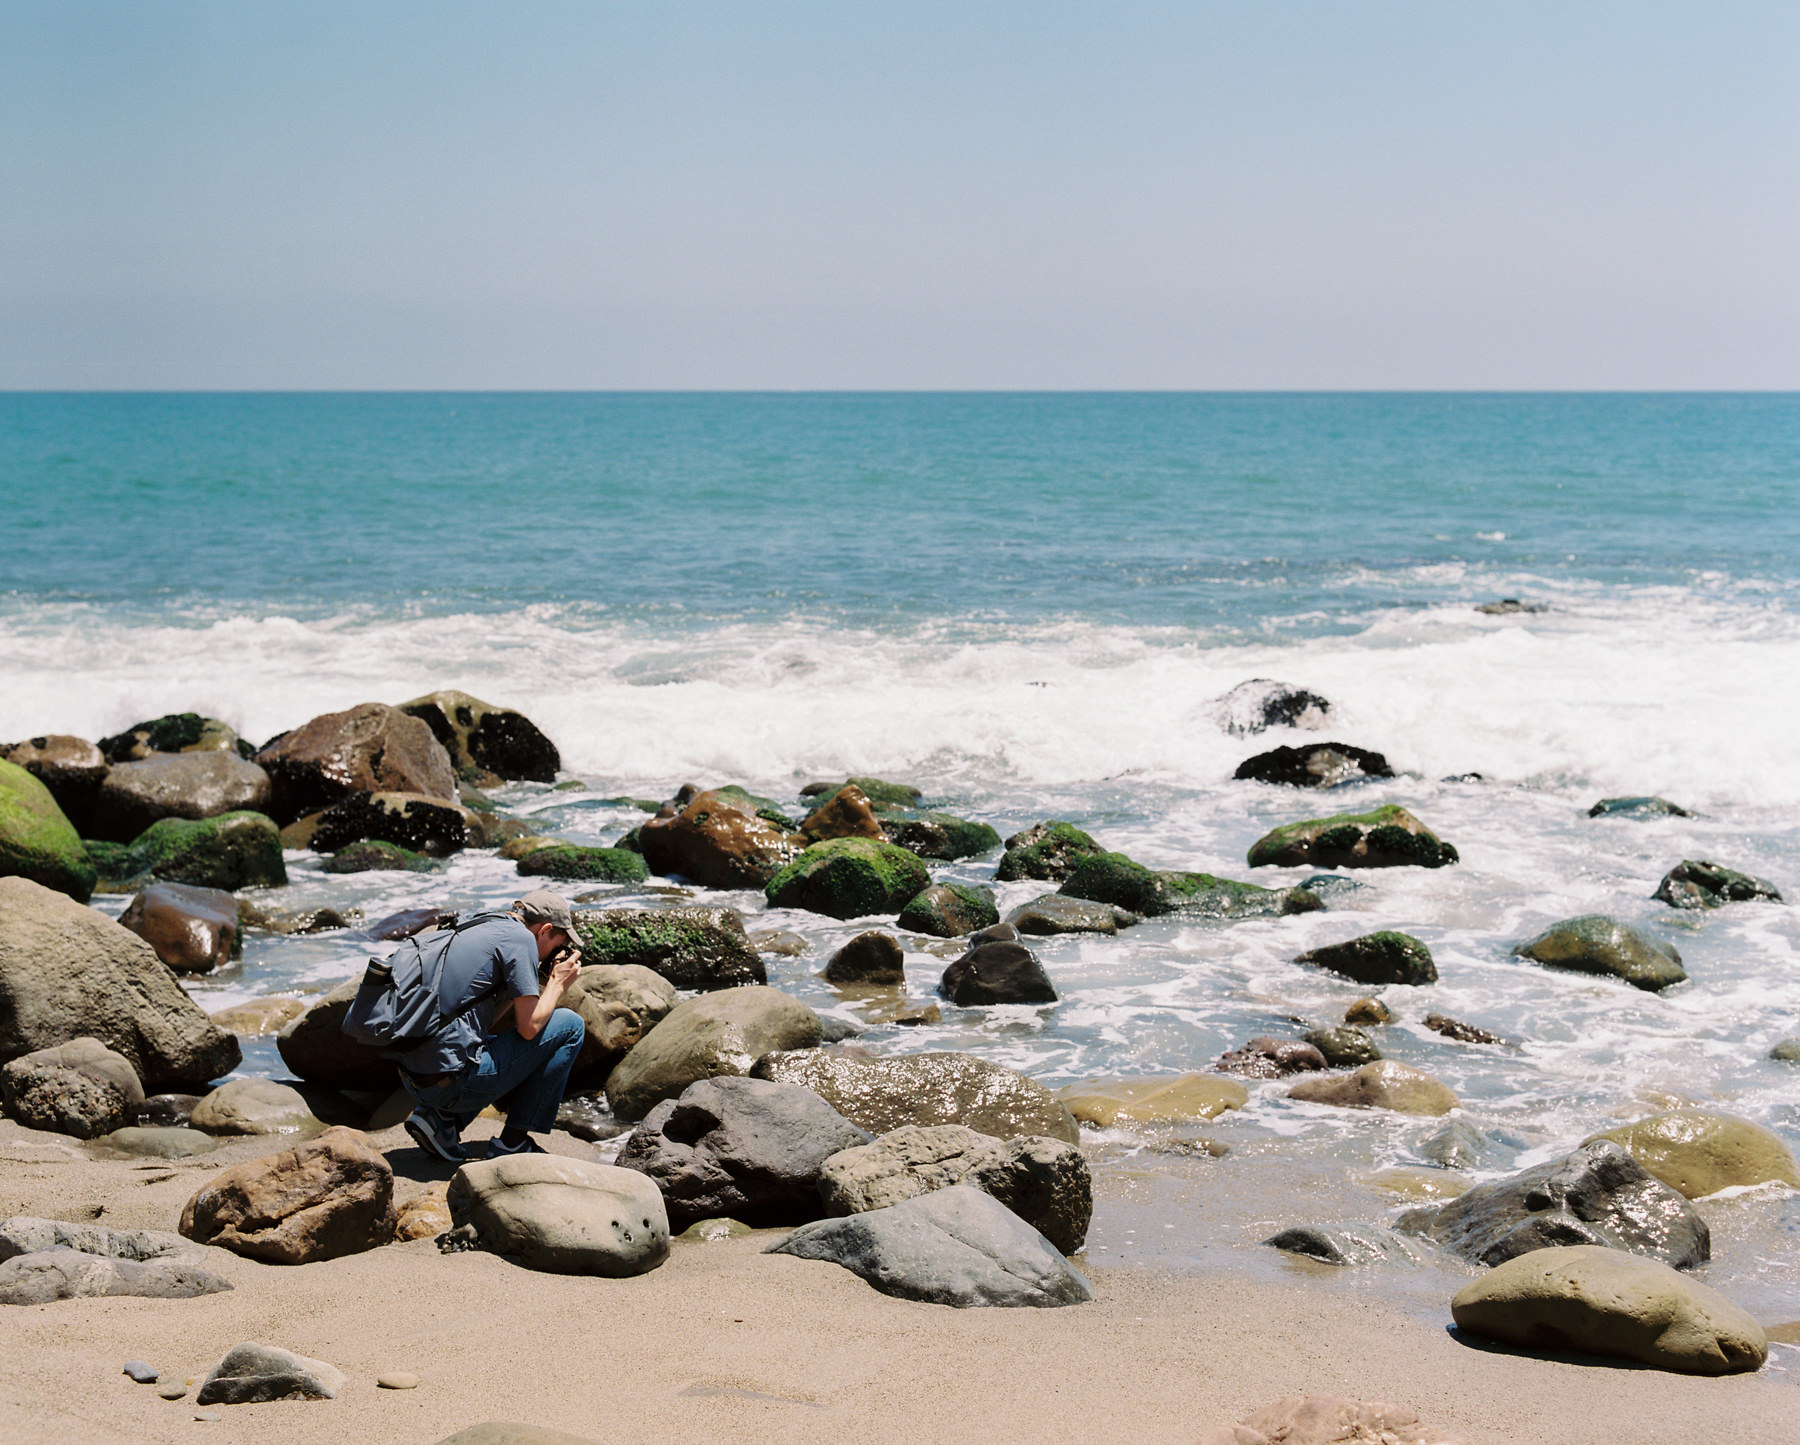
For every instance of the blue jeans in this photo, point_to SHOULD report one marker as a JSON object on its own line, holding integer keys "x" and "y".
{"x": 528, "y": 1074}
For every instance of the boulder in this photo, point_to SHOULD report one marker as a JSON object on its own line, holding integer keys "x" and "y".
{"x": 1054, "y": 913}
{"x": 249, "y": 1374}
{"x": 882, "y": 795}
{"x": 1594, "y": 943}
{"x": 1262, "y": 703}
{"x": 36, "y": 841}
{"x": 704, "y": 1037}
{"x": 1388, "y": 837}
{"x": 1267, "y": 1058}
{"x": 135, "y": 1142}
{"x": 717, "y": 841}
{"x": 231, "y": 851}
{"x": 68, "y": 972}
{"x": 1641, "y": 807}
{"x": 254, "y": 1106}
{"x": 563, "y": 1216}
{"x": 1600, "y": 1301}
{"x": 845, "y": 814}
{"x": 619, "y": 1003}
{"x": 572, "y": 863}
{"x": 1183, "y": 1099}
{"x": 1330, "y": 1420}
{"x": 1044, "y": 1181}
{"x": 193, "y": 930}
{"x": 71, "y": 768}
{"x": 433, "y": 826}
{"x": 370, "y": 748}
{"x": 872, "y": 958}
{"x": 1046, "y": 851}
{"x": 176, "y": 732}
{"x": 780, "y": 942}
{"x": 81, "y": 1088}
{"x": 318, "y": 1050}
{"x": 1317, "y": 765}
{"x": 849, "y": 878}
{"x": 1697, "y": 1153}
{"x": 176, "y": 785}
{"x": 1344, "y": 1047}
{"x": 1383, "y": 1085}
{"x": 1114, "y": 879}
{"x": 1455, "y": 1144}
{"x": 744, "y": 1149}
{"x": 950, "y": 910}
{"x": 693, "y": 948}
{"x": 883, "y": 1094}
{"x": 371, "y": 856}
{"x": 1698, "y": 884}
{"x": 938, "y": 835}
{"x": 1376, "y": 958}
{"x": 409, "y": 921}
{"x": 167, "y": 1110}
{"x": 328, "y": 1197}
{"x": 60, "y": 1273}
{"x": 997, "y": 973}
{"x": 486, "y": 743}
{"x": 956, "y": 1246}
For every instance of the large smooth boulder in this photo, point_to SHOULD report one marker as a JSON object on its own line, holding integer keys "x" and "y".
{"x": 175, "y": 732}
{"x": 1698, "y": 1153}
{"x": 1046, "y": 851}
{"x": 68, "y": 972}
{"x": 1262, "y": 703}
{"x": 1383, "y": 1085}
{"x": 193, "y": 930}
{"x": 1044, "y": 1181}
{"x": 56, "y": 1274}
{"x": 737, "y": 1148}
{"x": 252, "y": 1373}
{"x": 1388, "y": 837}
{"x": 1330, "y": 1420}
{"x": 1114, "y": 879}
{"x": 718, "y": 841}
{"x": 1600, "y": 1301}
{"x": 949, "y": 910}
{"x": 433, "y": 826}
{"x": 1376, "y": 958}
{"x": 1695, "y": 883}
{"x": 1182, "y": 1099}
{"x": 943, "y": 836}
{"x": 1055, "y": 913}
{"x": 884, "y": 1094}
{"x": 37, "y": 841}
{"x": 254, "y": 1106}
{"x": 1597, "y": 1195}
{"x": 176, "y": 785}
{"x": 702, "y": 1038}
{"x": 619, "y": 1003}
{"x": 1316, "y": 765}
{"x": 328, "y": 1197}
{"x": 231, "y": 851}
{"x": 849, "y": 878}
{"x": 80, "y": 1088}
{"x": 1594, "y": 943}
{"x": 1000, "y": 972}
{"x": 486, "y": 744}
{"x": 874, "y": 958}
{"x": 693, "y": 948}
{"x": 956, "y": 1246}
{"x": 318, "y": 1050}
{"x": 563, "y": 1216}
{"x": 370, "y": 748}
{"x": 71, "y": 768}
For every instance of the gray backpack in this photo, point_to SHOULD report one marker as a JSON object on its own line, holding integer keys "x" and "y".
{"x": 399, "y": 1003}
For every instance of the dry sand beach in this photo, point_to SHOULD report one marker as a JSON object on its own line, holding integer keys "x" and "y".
{"x": 726, "y": 1342}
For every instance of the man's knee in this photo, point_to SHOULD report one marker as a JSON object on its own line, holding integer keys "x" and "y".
{"x": 564, "y": 1029}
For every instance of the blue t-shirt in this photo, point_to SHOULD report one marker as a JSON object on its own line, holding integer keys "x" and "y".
{"x": 494, "y": 960}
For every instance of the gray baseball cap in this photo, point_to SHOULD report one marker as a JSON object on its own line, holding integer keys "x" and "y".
{"x": 542, "y": 906}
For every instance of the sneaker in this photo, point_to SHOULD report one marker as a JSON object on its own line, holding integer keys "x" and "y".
{"x": 436, "y": 1134}
{"x": 498, "y": 1149}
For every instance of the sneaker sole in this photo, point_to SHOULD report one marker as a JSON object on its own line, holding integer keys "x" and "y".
{"x": 422, "y": 1137}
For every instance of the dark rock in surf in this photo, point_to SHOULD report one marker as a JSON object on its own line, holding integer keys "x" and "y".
{"x": 1376, "y": 958}
{"x": 1114, "y": 879}
{"x": 882, "y": 795}
{"x": 1266, "y": 1058}
{"x": 847, "y": 813}
{"x": 693, "y": 948}
{"x": 1055, "y": 913}
{"x": 1316, "y": 765}
{"x": 950, "y": 910}
{"x": 1697, "y": 884}
{"x": 1388, "y": 837}
{"x": 943, "y": 836}
{"x": 1046, "y": 851}
{"x": 717, "y": 840}
{"x": 370, "y": 748}
{"x": 997, "y": 973}
{"x": 1594, "y": 943}
{"x": 193, "y": 930}
{"x": 869, "y": 958}
{"x": 1459, "y": 1031}
{"x": 1644, "y": 807}
{"x": 486, "y": 744}
{"x": 1262, "y": 703}
{"x": 1343, "y": 1047}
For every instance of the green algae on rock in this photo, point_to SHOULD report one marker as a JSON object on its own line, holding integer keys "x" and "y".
{"x": 1594, "y": 943}
{"x": 849, "y": 878}
{"x": 881, "y": 795}
{"x": 569, "y": 861}
{"x": 1047, "y": 851}
{"x": 693, "y": 948}
{"x": 1388, "y": 837}
{"x": 949, "y": 910}
{"x": 1115, "y": 879}
{"x": 1376, "y": 958}
{"x": 938, "y": 835}
{"x": 37, "y": 841}
{"x": 231, "y": 851}
{"x": 373, "y": 855}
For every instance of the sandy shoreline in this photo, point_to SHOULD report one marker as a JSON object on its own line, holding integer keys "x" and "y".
{"x": 726, "y": 1342}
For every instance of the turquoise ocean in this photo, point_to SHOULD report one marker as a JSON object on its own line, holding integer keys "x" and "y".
{"x": 1028, "y": 606}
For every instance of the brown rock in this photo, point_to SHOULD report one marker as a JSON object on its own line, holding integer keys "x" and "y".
{"x": 433, "y": 826}
{"x": 718, "y": 842}
{"x": 370, "y": 748}
{"x": 1266, "y": 1058}
{"x": 71, "y": 768}
{"x": 1461, "y": 1032}
{"x": 1368, "y": 1011}
{"x": 329, "y": 1197}
{"x": 1329, "y": 1420}
{"x": 847, "y": 813}
{"x": 872, "y": 957}
{"x": 1386, "y": 1085}
{"x": 193, "y": 930}
{"x": 259, "y": 1016}
{"x": 81, "y": 1088}
{"x": 424, "y": 1216}
{"x": 318, "y": 1050}
{"x": 1182, "y": 1099}
{"x": 1697, "y": 1153}
{"x": 176, "y": 785}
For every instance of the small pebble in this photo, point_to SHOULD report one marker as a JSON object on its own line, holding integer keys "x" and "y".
{"x": 172, "y": 1392}
{"x": 398, "y": 1381}
{"x": 208, "y": 1415}
{"x": 142, "y": 1373}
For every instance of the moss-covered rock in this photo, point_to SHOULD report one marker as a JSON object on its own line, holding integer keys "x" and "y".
{"x": 1389, "y": 837}
{"x": 938, "y": 835}
{"x": 1594, "y": 943}
{"x": 758, "y": 806}
{"x": 231, "y": 851}
{"x": 1695, "y": 883}
{"x": 1344, "y": 1047}
{"x": 372, "y": 855}
{"x": 37, "y": 841}
{"x": 1115, "y": 879}
{"x": 112, "y": 864}
{"x": 1047, "y": 851}
{"x": 882, "y": 795}
{"x": 693, "y": 948}
{"x": 1376, "y": 958}
{"x": 849, "y": 878}
{"x": 568, "y": 861}
{"x": 949, "y": 910}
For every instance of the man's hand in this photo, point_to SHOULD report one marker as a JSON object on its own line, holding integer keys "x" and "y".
{"x": 567, "y": 968}
{"x": 531, "y": 1014}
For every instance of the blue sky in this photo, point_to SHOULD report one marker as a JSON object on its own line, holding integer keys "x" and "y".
{"x": 917, "y": 195}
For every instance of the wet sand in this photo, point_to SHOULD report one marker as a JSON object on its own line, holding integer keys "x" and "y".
{"x": 724, "y": 1342}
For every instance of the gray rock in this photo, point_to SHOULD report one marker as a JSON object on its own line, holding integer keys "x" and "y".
{"x": 25, "y": 1234}
{"x": 1267, "y": 1058}
{"x": 563, "y": 1216}
{"x": 955, "y": 1246}
{"x": 1456, "y": 1144}
{"x": 1044, "y": 1181}
{"x": 255, "y": 1106}
{"x": 872, "y": 957}
{"x": 166, "y": 1111}
{"x": 1698, "y": 884}
{"x": 1376, "y": 958}
{"x": 950, "y": 910}
{"x": 1344, "y": 1047}
{"x": 1343, "y": 1244}
{"x": 81, "y": 1088}
{"x": 156, "y": 1143}
{"x": 1597, "y": 1195}
{"x": 1594, "y": 943}
{"x": 250, "y": 1373}
{"x": 176, "y": 785}
{"x": 747, "y": 1149}
{"x": 1056, "y": 913}
{"x": 693, "y": 948}
{"x": 704, "y": 1037}
{"x": 142, "y": 1374}
{"x": 1316, "y": 765}
{"x": 63, "y": 1273}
